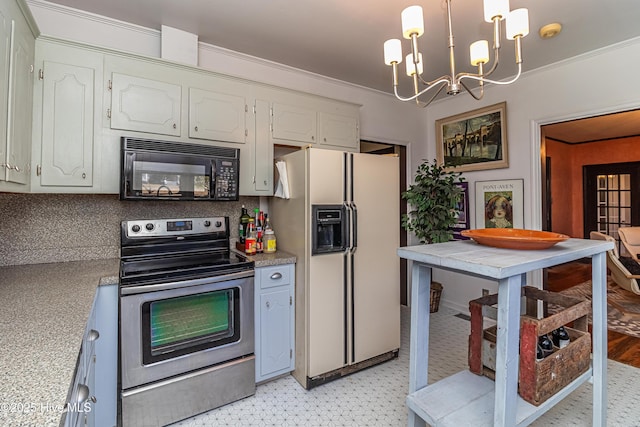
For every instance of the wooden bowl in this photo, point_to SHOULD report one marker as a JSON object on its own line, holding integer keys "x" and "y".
{"x": 514, "y": 238}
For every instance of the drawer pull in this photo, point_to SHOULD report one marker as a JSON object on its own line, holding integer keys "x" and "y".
{"x": 276, "y": 276}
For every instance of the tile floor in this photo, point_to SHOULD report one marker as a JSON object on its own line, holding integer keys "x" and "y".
{"x": 375, "y": 397}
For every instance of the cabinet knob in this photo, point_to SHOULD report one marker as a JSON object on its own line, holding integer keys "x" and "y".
{"x": 268, "y": 304}
{"x": 174, "y": 126}
{"x": 196, "y": 128}
{"x": 276, "y": 276}
{"x": 313, "y": 138}
{"x": 93, "y": 335}
{"x": 84, "y": 175}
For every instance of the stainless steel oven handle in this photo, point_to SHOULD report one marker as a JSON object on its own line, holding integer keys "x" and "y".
{"x": 131, "y": 290}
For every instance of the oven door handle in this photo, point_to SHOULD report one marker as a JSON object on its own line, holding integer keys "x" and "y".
{"x": 132, "y": 290}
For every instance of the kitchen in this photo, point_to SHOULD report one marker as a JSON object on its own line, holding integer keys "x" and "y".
{"x": 42, "y": 227}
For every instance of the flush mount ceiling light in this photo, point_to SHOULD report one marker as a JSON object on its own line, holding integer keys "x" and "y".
{"x": 517, "y": 27}
{"x": 550, "y": 30}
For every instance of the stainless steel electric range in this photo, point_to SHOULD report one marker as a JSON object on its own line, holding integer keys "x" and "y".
{"x": 186, "y": 320}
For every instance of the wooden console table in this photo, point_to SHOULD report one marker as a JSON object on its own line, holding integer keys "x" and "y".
{"x": 469, "y": 399}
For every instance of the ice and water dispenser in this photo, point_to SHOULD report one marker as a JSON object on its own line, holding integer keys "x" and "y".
{"x": 330, "y": 230}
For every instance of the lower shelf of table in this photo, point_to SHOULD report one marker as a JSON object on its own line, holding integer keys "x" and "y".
{"x": 468, "y": 399}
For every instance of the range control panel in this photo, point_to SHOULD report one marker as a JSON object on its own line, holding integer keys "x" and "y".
{"x": 174, "y": 227}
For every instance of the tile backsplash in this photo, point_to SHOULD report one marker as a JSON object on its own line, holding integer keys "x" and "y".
{"x": 44, "y": 228}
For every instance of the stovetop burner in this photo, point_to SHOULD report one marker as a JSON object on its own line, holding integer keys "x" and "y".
{"x": 158, "y": 251}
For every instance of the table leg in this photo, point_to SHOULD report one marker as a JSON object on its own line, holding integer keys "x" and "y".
{"x": 599, "y": 336}
{"x": 419, "y": 344}
{"x": 507, "y": 351}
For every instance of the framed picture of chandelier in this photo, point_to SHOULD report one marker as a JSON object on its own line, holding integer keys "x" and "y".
{"x": 500, "y": 204}
{"x": 476, "y": 140}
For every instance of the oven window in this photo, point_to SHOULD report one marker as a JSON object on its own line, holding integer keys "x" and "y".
{"x": 182, "y": 325}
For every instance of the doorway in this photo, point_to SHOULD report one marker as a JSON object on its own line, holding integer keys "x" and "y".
{"x": 611, "y": 197}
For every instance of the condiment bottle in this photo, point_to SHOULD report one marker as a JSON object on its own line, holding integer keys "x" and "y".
{"x": 251, "y": 238}
{"x": 244, "y": 222}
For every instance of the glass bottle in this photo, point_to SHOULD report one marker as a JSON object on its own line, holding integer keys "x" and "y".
{"x": 546, "y": 345}
{"x": 244, "y": 222}
{"x": 269, "y": 243}
{"x": 560, "y": 337}
{"x": 250, "y": 240}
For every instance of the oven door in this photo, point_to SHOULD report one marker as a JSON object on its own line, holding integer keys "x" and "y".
{"x": 174, "y": 328}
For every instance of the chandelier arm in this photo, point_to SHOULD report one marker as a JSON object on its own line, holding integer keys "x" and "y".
{"x": 422, "y": 92}
{"x": 476, "y": 97}
{"x": 497, "y": 82}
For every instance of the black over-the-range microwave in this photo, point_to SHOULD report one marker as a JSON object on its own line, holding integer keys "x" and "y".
{"x": 164, "y": 170}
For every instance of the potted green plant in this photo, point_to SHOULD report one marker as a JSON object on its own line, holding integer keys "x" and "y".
{"x": 434, "y": 199}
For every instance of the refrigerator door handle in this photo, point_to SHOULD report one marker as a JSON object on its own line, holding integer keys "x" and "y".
{"x": 354, "y": 225}
{"x": 346, "y": 226}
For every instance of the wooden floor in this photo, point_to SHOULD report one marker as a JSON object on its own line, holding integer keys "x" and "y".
{"x": 622, "y": 348}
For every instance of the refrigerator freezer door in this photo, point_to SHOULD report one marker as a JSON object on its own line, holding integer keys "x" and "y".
{"x": 326, "y": 314}
{"x": 376, "y": 288}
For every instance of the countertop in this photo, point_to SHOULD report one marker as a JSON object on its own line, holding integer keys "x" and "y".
{"x": 43, "y": 312}
{"x": 267, "y": 260}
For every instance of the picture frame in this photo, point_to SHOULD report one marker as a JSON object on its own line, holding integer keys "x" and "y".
{"x": 464, "y": 216}
{"x": 504, "y": 197}
{"x": 475, "y": 140}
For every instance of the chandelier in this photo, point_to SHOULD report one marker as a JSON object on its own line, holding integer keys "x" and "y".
{"x": 516, "y": 25}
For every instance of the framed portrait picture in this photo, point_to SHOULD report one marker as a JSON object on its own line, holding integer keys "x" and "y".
{"x": 463, "y": 213}
{"x": 499, "y": 204}
{"x": 476, "y": 140}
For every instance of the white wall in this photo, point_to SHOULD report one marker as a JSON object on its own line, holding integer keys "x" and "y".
{"x": 596, "y": 83}
{"x": 600, "y": 82}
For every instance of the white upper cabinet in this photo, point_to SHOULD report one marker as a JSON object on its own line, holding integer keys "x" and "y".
{"x": 293, "y": 123}
{"x": 17, "y": 47}
{"x": 145, "y": 105}
{"x": 67, "y": 125}
{"x": 305, "y": 119}
{"x": 338, "y": 130}
{"x": 217, "y": 116}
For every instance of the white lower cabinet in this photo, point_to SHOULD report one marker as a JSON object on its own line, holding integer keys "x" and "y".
{"x": 274, "y": 314}
{"x": 91, "y": 400}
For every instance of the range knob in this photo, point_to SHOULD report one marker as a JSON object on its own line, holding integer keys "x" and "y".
{"x": 135, "y": 228}
{"x": 207, "y": 223}
{"x": 218, "y": 224}
{"x": 149, "y": 226}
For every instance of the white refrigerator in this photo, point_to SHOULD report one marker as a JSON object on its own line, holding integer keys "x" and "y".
{"x": 347, "y": 302}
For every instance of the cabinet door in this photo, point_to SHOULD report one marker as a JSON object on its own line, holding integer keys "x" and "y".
{"x": 217, "y": 116}
{"x": 293, "y": 123}
{"x": 67, "y": 125}
{"x": 338, "y": 131}
{"x": 256, "y": 156}
{"x": 275, "y": 330}
{"x": 20, "y": 105}
{"x": 144, "y": 105}
{"x": 6, "y": 25}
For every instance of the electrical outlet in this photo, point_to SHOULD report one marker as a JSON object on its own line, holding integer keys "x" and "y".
{"x": 485, "y": 292}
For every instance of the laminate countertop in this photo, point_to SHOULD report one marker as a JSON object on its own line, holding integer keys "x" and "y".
{"x": 43, "y": 312}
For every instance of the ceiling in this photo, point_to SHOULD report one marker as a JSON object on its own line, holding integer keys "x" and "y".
{"x": 343, "y": 39}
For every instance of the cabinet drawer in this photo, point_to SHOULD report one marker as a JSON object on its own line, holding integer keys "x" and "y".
{"x": 274, "y": 276}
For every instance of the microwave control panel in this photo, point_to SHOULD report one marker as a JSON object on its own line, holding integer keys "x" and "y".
{"x": 226, "y": 176}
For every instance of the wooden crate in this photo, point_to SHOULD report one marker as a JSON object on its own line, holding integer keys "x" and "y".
{"x": 538, "y": 380}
